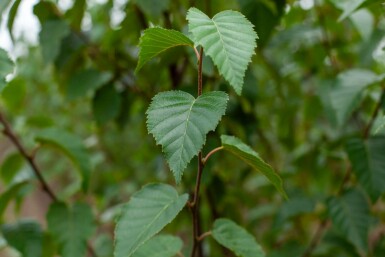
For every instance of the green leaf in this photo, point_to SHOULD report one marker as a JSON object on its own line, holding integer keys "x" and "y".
{"x": 106, "y": 104}
{"x": 350, "y": 6}
{"x": 11, "y": 166}
{"x": 25, "y": 236}
{"x": 6, "y": 67}
{"x": 14, "y": 94}
{"x": 243, "y": 151}
{"x": 71, "y": 227}
{"x": 380, "y": 126}
{"x": 153, "y": 8}
{"x": 160, "y": 246}
{"x": 3, "y": 6}
{"x": 350, "y": 215}
{"x": 236, "y": 238}
{"x": 11, "y": 18}
{"x": 179, "y": 123}
{"x": 85, "y": 81}
{"x": 228, "y": 38}
{"x": 51, "y": 35}
{"x": 154, "y": 41}
{"x": 76, "y": 13}
{"x": 368, "y": 163}
{"x": 71, "y": 146}
{"x": 345, "y": 94}
{"x": 11, "y": 193}
{"x": 148, "y": 212}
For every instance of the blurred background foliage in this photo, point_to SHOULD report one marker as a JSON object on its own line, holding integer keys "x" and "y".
{"x": 313, "y": 107}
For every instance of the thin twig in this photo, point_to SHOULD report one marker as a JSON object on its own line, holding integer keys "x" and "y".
{"x": 205, "y": 159}
{"x": 204, "y": 235}
{"x": 7, "y": 130}
{"x": 30, "y": 158}
{"x": 194, "y": 205}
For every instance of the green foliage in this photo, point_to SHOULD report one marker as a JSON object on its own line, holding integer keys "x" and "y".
{"x": 180, "y": 122}
{"x": 344, "y": 95}
{"x": 6, "y": 67}
{"x": 70, "y": 145}
{"x": 228, "y": 38}
{"x": 157, "y": 40}
{"x": 160, "y": 246}
{"x": 312, "y": 107}
{"x": 381, "y": 125}
{"x": 12, "y": 15}
{"x": 51, "y": 35}
{"x": 243, "y": 151}
{"x": 148, "y": 211}
{"x": 368, "y": 163}
{"x": 106, "y": 104}
{"x": 349, "y": 7}
{"x": 11, "y": 166}
{"x": 71, "y": 227}
{"x": 25, "y": 236}
{"x": 350, "y": 214}
{"x": 85, "y": 81}
{"x": 236, "y": 238}
{"x": 9, "y": 194}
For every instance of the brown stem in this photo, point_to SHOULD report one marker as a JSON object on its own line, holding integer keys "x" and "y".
{"x": 194, "y": 205}
{"x": 7, "y": 130}
{"x": 30, "y": 158}
{"x": 205, "y": 159}
{"x": 204, "y": 235}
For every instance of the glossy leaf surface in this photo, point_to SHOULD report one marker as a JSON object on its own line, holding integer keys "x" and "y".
{"x": 180, "y": 122}
{"x": 228, "y": 38}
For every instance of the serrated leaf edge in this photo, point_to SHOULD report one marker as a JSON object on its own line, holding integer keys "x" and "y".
{"x": 204, "y": 141}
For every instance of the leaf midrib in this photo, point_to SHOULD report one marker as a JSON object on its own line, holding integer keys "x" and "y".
{"x": 150, "y": 224}
{"x": 223, "y": 44}
{"x": 185, "y": 130}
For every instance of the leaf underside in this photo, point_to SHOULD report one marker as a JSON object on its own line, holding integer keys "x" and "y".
{"x": 228, "y": 38}
{"x": 236, "y": 238}
{"x": 148, "y": 211}
{"x": 243, "y": 151}
{"x": 154, "y": 41}
{"x": 179, "y": 123}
